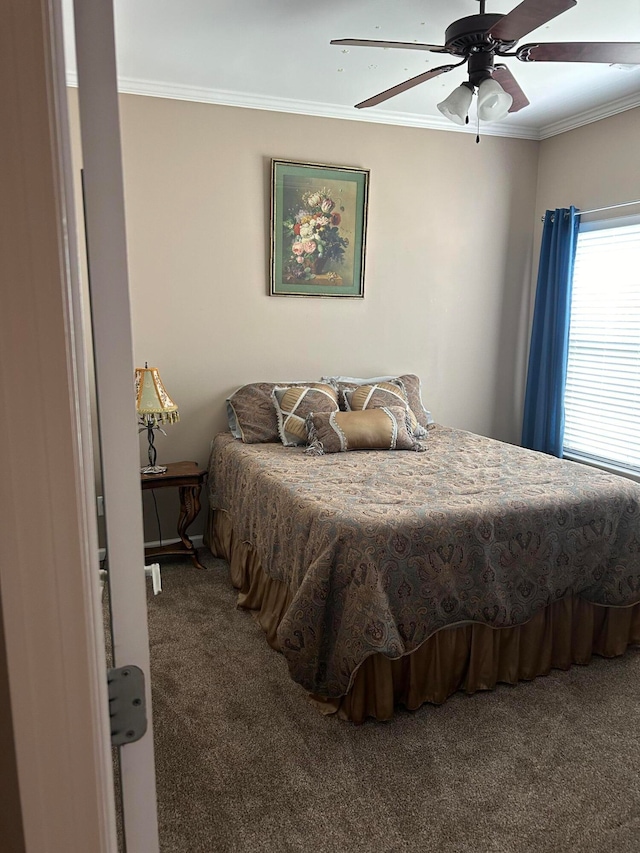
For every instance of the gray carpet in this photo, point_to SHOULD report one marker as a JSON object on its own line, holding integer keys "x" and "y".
{"x": 245, "y": 763}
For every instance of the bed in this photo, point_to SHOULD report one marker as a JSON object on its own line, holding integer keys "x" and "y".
{"x": 396, "y": 578}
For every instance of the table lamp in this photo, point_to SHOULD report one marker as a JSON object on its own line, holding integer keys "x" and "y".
{"x": 154, "y": 407}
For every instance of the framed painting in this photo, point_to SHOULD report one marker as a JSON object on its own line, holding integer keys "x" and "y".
{"x": 318, "y": 229}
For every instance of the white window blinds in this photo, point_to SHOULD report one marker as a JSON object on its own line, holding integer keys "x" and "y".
{"x": 602, "y": 394}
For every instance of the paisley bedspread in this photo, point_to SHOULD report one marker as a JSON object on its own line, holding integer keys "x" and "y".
{"x": 383, "y": 548}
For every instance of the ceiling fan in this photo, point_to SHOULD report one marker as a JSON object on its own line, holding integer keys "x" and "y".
{"x": 480, "y": 39}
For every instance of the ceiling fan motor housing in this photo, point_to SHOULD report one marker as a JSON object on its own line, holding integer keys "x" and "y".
{"x": 480, "y": 66}
{"x": 468, "y": 33}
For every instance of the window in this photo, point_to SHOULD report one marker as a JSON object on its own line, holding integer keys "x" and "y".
{"x": 602, "y": 393}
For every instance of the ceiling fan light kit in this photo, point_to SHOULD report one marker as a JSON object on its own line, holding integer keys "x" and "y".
{"x": 478, "y": 39}
{"x": 493, "y": 102}
{"x": 456, "y": 106}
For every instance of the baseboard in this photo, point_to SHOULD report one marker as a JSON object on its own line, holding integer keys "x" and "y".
{"x": 197, "y": 543}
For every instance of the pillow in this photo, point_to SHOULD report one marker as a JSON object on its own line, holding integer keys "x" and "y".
{"x": 383, "y": 394}
{"x": 411, "y": 384}
{"x": 251, "y": 414}
{"x": 413, "y": 388}
{"x": 386, "y": 428}
{"x": 293, "y": 404}
{"x": 350, "y": 383}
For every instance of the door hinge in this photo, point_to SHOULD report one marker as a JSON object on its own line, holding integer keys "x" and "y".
{"x": 127, "y": 706}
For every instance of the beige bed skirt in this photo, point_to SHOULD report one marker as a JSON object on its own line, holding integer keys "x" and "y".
{"x": 469, "y": 657}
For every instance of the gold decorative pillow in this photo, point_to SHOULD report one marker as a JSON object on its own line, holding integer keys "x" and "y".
{"x": 383, "y": 394}
{"x": 294, "y": 404}
{"x": 386, "y": 428}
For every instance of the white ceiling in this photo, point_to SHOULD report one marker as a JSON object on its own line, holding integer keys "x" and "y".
{"x": 275, "y": 54}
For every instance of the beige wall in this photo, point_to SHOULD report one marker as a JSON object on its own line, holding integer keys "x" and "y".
{"x": 592, "y": 166}
{"x": 447, "y": 251}
{"x": 448, "y": 263}
{"x": 453, "y": 230}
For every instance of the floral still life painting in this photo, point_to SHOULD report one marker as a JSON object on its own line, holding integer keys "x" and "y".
{"x": 318, "y": 226}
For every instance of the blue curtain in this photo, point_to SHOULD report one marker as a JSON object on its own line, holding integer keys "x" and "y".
{"x": 543, "y": 423}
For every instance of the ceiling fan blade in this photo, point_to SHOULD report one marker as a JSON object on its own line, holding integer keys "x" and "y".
{"x": 511, "y": 85}
{"x": 528, "y": 16}
{"x": 408, "y": 45}
{"x": 402, "y": 87}
{"x": 623, "y": 52}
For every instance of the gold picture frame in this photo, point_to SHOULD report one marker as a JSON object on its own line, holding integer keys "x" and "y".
{"x": 318, "y": 229}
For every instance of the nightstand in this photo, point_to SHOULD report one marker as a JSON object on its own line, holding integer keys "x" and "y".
{"x": 188, "y": 478}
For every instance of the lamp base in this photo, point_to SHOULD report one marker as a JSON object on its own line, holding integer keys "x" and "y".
{"x": 153, "y": 469}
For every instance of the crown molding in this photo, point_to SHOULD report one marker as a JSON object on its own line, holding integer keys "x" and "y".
{"x": 222, "y": 97}
{"x": 610, "y": 108}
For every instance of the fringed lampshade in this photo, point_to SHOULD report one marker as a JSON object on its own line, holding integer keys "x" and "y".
{"x": 155, "y": 407}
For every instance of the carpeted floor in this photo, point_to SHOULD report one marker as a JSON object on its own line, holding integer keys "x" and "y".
{"x": 245, "y": 763}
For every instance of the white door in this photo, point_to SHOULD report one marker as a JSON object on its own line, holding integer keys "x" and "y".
{"x": 114, "y": 370}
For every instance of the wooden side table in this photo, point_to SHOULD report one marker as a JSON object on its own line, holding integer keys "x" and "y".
{"x": 187, "y": 477}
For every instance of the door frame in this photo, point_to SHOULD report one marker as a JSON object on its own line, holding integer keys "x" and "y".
{"x": 104, "y": 222}
{"x": 49, "y": 582}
